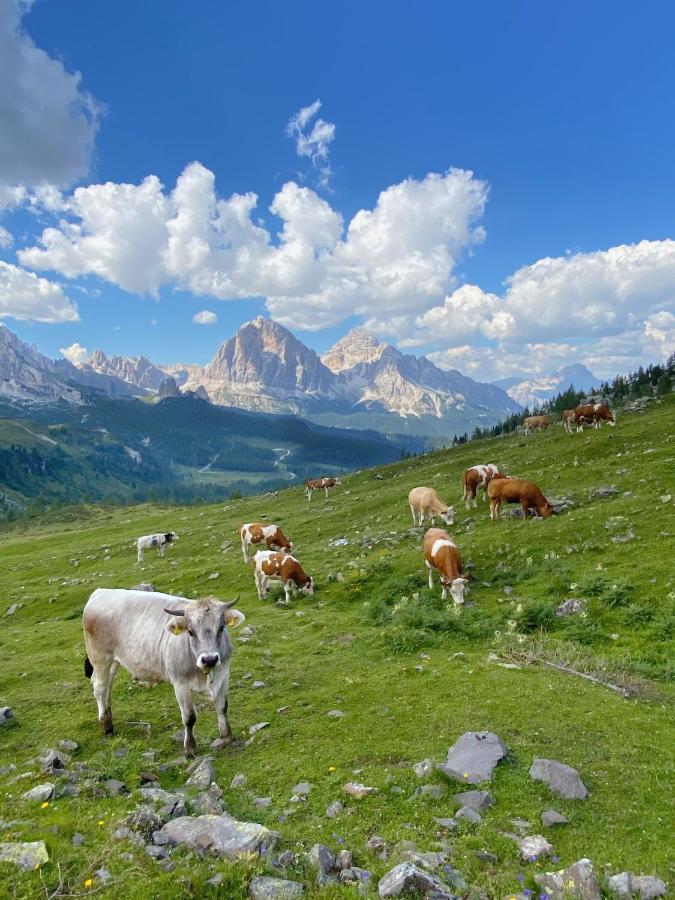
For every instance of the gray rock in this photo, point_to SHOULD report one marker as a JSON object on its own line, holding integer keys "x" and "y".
{"x": 550, "y": 817}
{"x": 124, "y": 833}
{"x": 221, "y": 835}
{"x": 355, "y": 875}
{"x": 28, "y": 855}
{"x": 287, "y": 858}
{"x": 13, "y": 609}
{"x": 358, "y": 790}
{"x": 219, "y": 743}
{"x": 208, "y": 803}
{"x": 77, "y": 839}
{"x": 570, "y": 607}
{"x": 406, "y": 878}
{"x": 265, "y": 888}
{"x": 645, "y": 886}
{"x": 39, "y": 793}
{"x": 433, "y": 791}
{"x": 157, "y": 852}
{"x": 473, "y": 757}
{"x": 335, "y": 714}
{"x": 376, "y": 843}
{"x": 486, "y": 856}
{"x": 69, "y": 746}
{"x": 562, "y": 779}
{"x": 254, "y": 729}
{"x": 430, "y": 861}
{"x": 144, "y": 820}
{"x": 238, "y": 781}
{"x": 446, "y": 823}
{"x": 167, "y": 864}
{"x": 334, "y": 809}
{"x": 202, "y": 774}
{"x": 258, "y": 684}
{"x": 344, "y": 859}
{"x": 115, "y": 788}
{"x": 469, "y": 815}
{"x": 172, "y": 804}
{"x": 322, "y": 860}
{"x": 478, "y": 800}
{"x": 521, "y": 824}
{"x": 144, "y": 586}
{"x": 424, "y": 768}
{"x": 534, "y": 846}
{"x": 217, "y": 880}
{"x": 576, "y": 881}
{"x": 6, "y": 713}
{"x": 54, "y": 760}
{"x": 103, "y": 875}
{"x": 605, "y": 492}
{"x": 302, "y": 789}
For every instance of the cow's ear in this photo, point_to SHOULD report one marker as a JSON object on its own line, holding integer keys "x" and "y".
{"x": 234, "y": 618}
{"x": 176, "y": 626}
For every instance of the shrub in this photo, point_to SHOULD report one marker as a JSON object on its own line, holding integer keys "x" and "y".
{"x": 617, "y": 594}
{"x": 636, "y": 614}
{"x": 536, "y": 614}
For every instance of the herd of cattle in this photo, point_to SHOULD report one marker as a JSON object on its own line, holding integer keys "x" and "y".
{"x": 159, "y": 637}
{"x": 585, "y": 414}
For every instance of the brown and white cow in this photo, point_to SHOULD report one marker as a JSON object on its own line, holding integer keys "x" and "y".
{"x": 316, "y": 484}
{"x": 593, "y": 413}
{"x": 424, "y": 502}
{"x": 441, "y": 553}
{"x": 567, "y": 417}
{"x": 515, "y": 490}
{"x": 478, "y": 477}
{"x": 159, "y": 637}
{"x": 536, "y": 423}
{"x": 271, "y": 567}
{"x": 257, "y": 532}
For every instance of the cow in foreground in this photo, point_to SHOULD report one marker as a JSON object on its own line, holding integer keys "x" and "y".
{"x": 515, "y": 490}
{"x": 424, "y": 502}
{"x": 536, "y": 423}
{"x": 478, "y": 477}
{"x": 280, "y": 568}
{"x": 159, "y": 637}
{"x": 257, "y": 532}
{"x": 593, "y": 413}
{"x": 441, "y": 553}
{"x": 154, "y": 540}
{"x": 317, "y": 484}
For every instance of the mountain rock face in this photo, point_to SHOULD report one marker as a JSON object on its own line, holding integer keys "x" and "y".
{"x": 532, "y": 392}
{"x": 168, "y": 388}
{"x": 136, "y": 370}
{"x": 26, "y": 376}
{"x": 356, "y": 347}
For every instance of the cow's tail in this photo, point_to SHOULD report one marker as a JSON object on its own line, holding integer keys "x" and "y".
{"x": 88, "y": 668}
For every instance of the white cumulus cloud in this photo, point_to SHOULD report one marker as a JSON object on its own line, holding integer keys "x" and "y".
{"x": 25, "y": 296}
{"x": 48, "y": 123}
{"x": 6, "y": 239}
{"x": 76, "y": 353}
{"x": 205, "y": 317}
{"x": 313, "y": 142}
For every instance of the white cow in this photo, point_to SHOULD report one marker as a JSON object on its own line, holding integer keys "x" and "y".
{"x": 154, "y": 540}
{"x": 424, "y": 502}
{"x": 158, "y": 637}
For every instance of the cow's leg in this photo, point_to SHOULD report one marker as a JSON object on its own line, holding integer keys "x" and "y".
{"x": 494, "y": 510}
{"x": 326, "y": 492}
{"x": 525, "y": 507}
{"x": 244, "y": 549}
{"x": 444, "y": 592}
{"x": 260, "y": 585}
{"x": 412, "y": 510}
{"x": 309, "y": 494}
{"x": 162, "y": 548}
{"x": 140, "y": 555}
{"x": 475, "y": 498}
{"x": 188, "y": 716}
{"x": 101, "y": 680}
{"x": 288, "y": 591}
{"x": 221, "y": 703}
{"x": 431, "y": 577}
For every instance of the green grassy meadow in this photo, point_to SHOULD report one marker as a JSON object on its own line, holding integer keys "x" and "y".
{"x": 408, "y": 673}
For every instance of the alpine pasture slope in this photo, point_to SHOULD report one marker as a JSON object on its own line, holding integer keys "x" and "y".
{"x": 409, "y": 675}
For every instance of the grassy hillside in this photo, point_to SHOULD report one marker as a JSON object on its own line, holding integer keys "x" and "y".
{"x": 409, "y": 675}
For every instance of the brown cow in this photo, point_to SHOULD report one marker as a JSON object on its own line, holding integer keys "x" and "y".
{"x": 424, "y": 501}
{"x": 595, "y": 413}
{"x": 515, "y": 490}
{"x": 316, "y": 484}
{"x": 280, "y": 567}
{"x": 441, "y": 553}
{"x": 478, "y": 477}
{"x": 257, "y": 532}
{"x": 537, "y": 423}
{"x": 567, "y": 417}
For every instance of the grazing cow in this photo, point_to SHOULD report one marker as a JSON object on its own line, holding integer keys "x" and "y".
{"x": 593, "y": 413}
{"x": 158, "y": 637}
{"x": 441, "y": 553}
{"x": 316, "y": 484}
{"x": 536, "y": 423}
{"x": 567, "y": 417}
{"x": 256, "y": 533}
{"x": 154, "y": 540}
{"x": 424, "y": 501}
{"x": 515, "y": 490}
{"x": 271, "y": 567}
{"x": 478, "y": 477}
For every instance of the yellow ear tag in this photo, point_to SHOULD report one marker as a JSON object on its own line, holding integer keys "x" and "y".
{"x": 176, "y": 628}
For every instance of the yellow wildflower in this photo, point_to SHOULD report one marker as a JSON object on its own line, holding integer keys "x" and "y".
{"x": 44, "y": 805}
{"x": 88, "y": 882}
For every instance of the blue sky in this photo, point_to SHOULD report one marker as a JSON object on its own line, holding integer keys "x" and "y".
{"x": 564, "y": 115}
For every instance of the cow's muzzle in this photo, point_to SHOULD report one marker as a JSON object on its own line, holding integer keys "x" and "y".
{"x": 208, "y": 661}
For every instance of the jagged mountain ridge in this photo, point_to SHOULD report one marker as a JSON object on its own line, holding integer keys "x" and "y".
{"x": 532, "y": 392}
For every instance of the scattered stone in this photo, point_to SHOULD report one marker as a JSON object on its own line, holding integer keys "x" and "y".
{"x": 302, "y": 789}
{"x": 283, "y": 710}
{"x": 344, "y": 859}
{"x": 605, "y": 492}
{"x": 645, "y": 886}
{"x": 521, "y": 824}
{"x": 124, "y": 833}
{"x": 264, "y": 888}
{"x": 121, "y": 752}
{"x": 103, "y": 875}
{"x": 259, "y": 684}
{"x": 486, "y": 856}
{"x": 6, "y": 713}
{"x": 571, "y": 606}
{"x": 148, "y": 778}
{"x": 576, "y": 881}
{"x": 376, "y": 843}
{"x": 434, "y": 791}
{"x": 219, "y": 743}
{"x": 221, "y": 835}
{"x": 202, "y": 774}
{"x": 478, "y": 800}
{"x": 430, "y": 861}
{"x": 469, "y": 815}
{"x": 322, "y": 859}
{"x": 446, "y": 823}
{"x": 406, "y": 878}
{"x": 254, "y": 729}
{"x": 335, "y": 714}
{"x": 623, "y": 538}
{"x": 28, "y": 855}
{"x": 157, "y": 852}
{"x": 665, "y": 498}
{"x": 334, "y": 809}
{"x": 144, "y": 820}
{"x": 69, "y": 746}
{"x": 217, "y": 880}
{"x": 287, "y": 858}
{"x": 144, "y": 586}
{"x": 77, "y": 840}
{"x": 40, "y": 793}
{"x": 238, "y": 782}
{"x": 534, "y": 846}
{"x": 13, "y": 609}
{"x": 473, "y": 757}
{"x": 115, "y": 788}
{"x": 424, "y": 768}
{"x": 550, "y": 817}
{"x": 562, "y": 779}
{"x": 355, "y": 875}
{"x": 357, "y": 790}
{"x": 54, "y": 760}
{"x": 208, "y": 803}
{"x": 263, "y": 802}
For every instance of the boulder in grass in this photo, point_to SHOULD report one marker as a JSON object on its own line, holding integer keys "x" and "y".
{"x": 358, "y": 790}
{"x": 40, "y": 792}
{"x": 406, "y": 878}
{"x": 265, "y": 888}
{"x": 552, "y": 817}
{"x": 645, "y": 887}
{"x": 562, "y": 779}
{"x": 533, "y": 847}
{"x": 577, "y": 881}
{"x": 6, "y": 713}
{"x": 478, "y": 800}
{"x": 28, "y": 855}
{"x": 221, "y": 835}
{"x": 473, "y": 757}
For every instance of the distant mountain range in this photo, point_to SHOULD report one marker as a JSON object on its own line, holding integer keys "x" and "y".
{"x": 532, "y": 392}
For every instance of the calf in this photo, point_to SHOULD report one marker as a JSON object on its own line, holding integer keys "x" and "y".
{"x": 595, "y": 413}
{"x": 424, "y": 501}
{"x": 478, "y": 477}
{"x": 567, "y": 417}
{"x": 154, "y": 540}
{"x": 536, "y": 423}
{"x": 256, "y": 533}
{"x": 271, "y": 567}
{"x": 158, "y": 637}
{"x": 316, "y": 484}
{"x": 515, "y": 490}
{"x": 441, "y": 553}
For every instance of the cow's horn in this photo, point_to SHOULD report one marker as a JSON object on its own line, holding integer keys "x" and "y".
{"x": 230, "y": 603}
{"x": 174, "y": 612}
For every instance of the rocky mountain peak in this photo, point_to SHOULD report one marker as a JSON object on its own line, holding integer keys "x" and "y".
{"x": 356, "y": 347}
